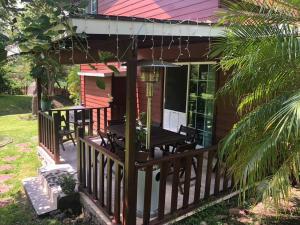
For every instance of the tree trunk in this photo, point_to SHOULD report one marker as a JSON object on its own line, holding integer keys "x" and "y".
{"x": 34, "y": 101}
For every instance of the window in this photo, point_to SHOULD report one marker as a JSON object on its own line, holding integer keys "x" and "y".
{"x": 201, "y": 101}
{"x": 93, "y": 7}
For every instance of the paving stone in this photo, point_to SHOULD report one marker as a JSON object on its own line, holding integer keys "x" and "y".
{"x": 25, "y": 150}
{"x": 22, "y": 145}
{"x": 4, "y": 188}
{"x": 5, "y": 202}
{"x": 10, "y": 158}
{"x": 6, "y": 167}
{"x": 5, "y": 177}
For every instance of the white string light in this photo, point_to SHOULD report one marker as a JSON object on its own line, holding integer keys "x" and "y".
{"x": 162, "y": 45}
{"x": 108, "y": 24}
{"x": 188, "y": 42}
{"x": 209, "y": 40}
{"x": 117, "y": 32}
{"x": 152, "y": 39}
{"x": 172, "y": 40}
{"x": 144, "y": 39}
{"x": 180, "y": 50}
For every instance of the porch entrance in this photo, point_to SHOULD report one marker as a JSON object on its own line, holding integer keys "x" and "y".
{"x": 174, "y": 113}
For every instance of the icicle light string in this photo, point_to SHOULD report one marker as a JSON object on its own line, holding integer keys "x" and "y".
{"x": 188, "y": 42}
{"x": 209, "y": 41}
{"x": 152, "y": 39}
{"x": 108, "y": 24}
{"x": 172, "y": 39}
{"x": 162, "y": 45}
{"x": 117, "y": 33}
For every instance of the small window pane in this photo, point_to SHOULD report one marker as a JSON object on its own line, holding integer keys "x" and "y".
{"x": 201, "y": 101}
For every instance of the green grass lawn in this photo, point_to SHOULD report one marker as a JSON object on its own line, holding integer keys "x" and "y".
{"x": 26, "y": 165}
{"x": 17, "y": 104}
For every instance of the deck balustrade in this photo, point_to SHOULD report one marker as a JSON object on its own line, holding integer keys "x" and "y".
{"x": 178, "y": 186}
{"x": 50, "y": 123}
{"x": 167, "y": 187}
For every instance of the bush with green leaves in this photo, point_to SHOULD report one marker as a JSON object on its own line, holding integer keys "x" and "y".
{"x": 67, "y": 183}
{"x": 73, "y": 84}
{"x": 261, "y": 51}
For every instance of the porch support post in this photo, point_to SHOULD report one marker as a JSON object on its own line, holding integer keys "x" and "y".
{"x": 130, "y": 139}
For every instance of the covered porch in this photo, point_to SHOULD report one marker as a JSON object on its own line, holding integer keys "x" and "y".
{"x": 128, "y": 189}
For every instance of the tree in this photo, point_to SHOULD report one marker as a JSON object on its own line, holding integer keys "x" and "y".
{"x": 32, "y": 30}
{"x": 262, "y": 52}
{"x": 73, "y": 84}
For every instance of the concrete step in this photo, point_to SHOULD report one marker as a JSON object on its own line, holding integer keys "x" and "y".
{"x": 37, "y": 196}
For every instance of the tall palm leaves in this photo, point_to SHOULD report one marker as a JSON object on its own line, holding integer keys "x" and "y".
{"x": 262, "y": 51}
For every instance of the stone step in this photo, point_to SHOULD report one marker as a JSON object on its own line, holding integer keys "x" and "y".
{"x": 37, "y": 196}
{"x": 49, "y": 180}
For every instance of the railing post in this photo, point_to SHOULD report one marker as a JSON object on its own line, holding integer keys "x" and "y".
{"x": 91, "y": 122}
{"x": 80, "y": 134}
{"x": 39, "y": 127}
{"x": 105, "y": 120}
{"x": 56, "y": 124}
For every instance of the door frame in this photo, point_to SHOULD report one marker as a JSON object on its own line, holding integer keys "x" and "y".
{"x": 188, "y": 83}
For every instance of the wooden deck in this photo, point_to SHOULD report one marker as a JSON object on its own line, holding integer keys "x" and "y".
{"x": 161, "y": 189}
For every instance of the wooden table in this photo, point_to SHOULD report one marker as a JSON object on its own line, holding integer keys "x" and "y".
{"x": 159, "y": 136}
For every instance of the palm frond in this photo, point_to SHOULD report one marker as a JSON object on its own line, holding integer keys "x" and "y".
{"x": 262, "y": 52}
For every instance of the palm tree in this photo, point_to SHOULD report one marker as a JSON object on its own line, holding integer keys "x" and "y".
{"x": 262, "y": 52}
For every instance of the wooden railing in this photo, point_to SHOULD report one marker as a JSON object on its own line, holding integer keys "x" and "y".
{"x": 189, "y": 187}
{"x": 100, "y": 173}
{"x": 96, "y": 117}
{"x": 178, "y": 183}
{"x": 48, "y": 128}
{"x": 49, "y": 124}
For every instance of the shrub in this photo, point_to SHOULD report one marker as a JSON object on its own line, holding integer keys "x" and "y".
{"x": 67, "y": 183}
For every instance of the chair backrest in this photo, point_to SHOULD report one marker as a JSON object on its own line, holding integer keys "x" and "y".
{"x": 80, "y": 113}
{"x": 189, "y": 132}
{"x": 63, "y": 122}
{"x": 103, "y": 142}
{"x": 116, "y": 122}
{"x": 185, "y": 147}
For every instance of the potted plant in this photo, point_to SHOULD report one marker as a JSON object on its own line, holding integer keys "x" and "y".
{"x": 69, "y": 199}
{"x": 45, "y": 102}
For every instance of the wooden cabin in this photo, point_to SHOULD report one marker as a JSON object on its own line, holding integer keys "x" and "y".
{"x": 124, "y": 188}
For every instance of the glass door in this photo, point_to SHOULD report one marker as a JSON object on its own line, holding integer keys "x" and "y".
{"x": 201, "y": 101}
{"x": 175, "y": 98}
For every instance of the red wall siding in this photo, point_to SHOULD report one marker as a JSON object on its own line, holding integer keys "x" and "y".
{"x": 201, "y": 10}
{"x": 95, "y": 97}
{"x": 225, "y": 115}
{"x": 82, "y": 89}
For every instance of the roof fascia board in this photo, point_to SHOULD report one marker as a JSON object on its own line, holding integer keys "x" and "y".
{"x": 122, "y": 27}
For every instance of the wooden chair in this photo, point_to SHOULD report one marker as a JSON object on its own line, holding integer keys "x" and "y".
{"x": 190, "y": 136}
{"x": 65, "y": 134}
{"x": 116, "y": 122}
{"x": 180, "y": 149}
{"x": 103, "y": 142}
{"x": 189, "y": 132}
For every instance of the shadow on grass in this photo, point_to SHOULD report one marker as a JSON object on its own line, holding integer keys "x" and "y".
{"x": 14, "y": 104}
{"x": 20, "y": 212}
